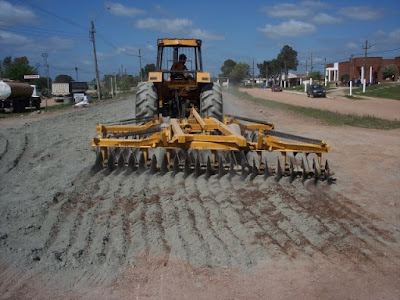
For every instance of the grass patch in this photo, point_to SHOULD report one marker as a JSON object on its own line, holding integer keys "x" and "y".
{"x": 382, "y": 90}
{"x": 327, "y": 117}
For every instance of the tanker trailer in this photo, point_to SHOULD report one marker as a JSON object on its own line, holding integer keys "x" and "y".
{"x": 17, "y": 96}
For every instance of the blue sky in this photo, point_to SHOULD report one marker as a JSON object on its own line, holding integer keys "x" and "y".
{"x": 244, "y": 31}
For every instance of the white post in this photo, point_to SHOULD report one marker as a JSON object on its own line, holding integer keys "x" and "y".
{"x": 370, "y": 75}
{"x": 305, "y": 86}
{"x": 310, "y": 80}
{"x": 364, "y": 85}
{"x": 362, "y": 74}
{"x": 351, "y": 88}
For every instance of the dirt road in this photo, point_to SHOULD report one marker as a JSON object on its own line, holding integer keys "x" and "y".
{"x": 336, "y": 102}
{"x": 65, "y": 233}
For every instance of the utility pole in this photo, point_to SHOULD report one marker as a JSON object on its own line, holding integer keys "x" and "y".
{"x": 253, "y": 75}
{"x": 325, "y": 80}
{"x": 46, "y": 65}
{"x": 266, "y": 75}
{"x": 311, "y": 65}
{"x": 76, "y": 72}
{"x": 140, "y": 66}
{"x": 306, "y": 67}
{"x": 92, "y": 31}
{"x": 366, "y": 47}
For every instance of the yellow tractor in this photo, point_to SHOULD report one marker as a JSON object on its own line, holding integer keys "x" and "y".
{"x": 172, "y": 92}
{"x": 179, "y": 125}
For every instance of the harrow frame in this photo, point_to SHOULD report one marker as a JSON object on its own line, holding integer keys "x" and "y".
{"x": 197, "y": 133}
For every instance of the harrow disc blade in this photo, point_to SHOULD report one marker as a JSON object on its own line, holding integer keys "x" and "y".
{"x": 98, "y": 164}
{"x": 164, "y": 165}
{"x": 175, "y": 168}
{"x": 131, "y": 163}
{"x": 209, "y": 170}
{"x": 142, "y": 163}
{"x": 121, "y": 161}
{"x": 153, "y": 164}
{"x": 187, "y": 170}
{"x": 254, "y": 170}
{"x": 316, "y": 171}
{"x": 221, "y": 169}
{"x": 267, "y": 171}
{"x": 291, "y": 170}
{"x": 305, "y": 171}
{"x": 279, "y": 172}
{"x": 197, "y": 166}
{"x": 110, "y": 162}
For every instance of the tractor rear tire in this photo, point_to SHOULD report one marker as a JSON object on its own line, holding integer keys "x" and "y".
{"x": 146, "y": 100}
{"x": 211, "y": 104}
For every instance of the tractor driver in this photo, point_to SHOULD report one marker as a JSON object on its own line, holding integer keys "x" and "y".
{"x": 180, "y": 66}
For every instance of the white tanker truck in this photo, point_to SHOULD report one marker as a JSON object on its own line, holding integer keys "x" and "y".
{"x": 17, "y": 96}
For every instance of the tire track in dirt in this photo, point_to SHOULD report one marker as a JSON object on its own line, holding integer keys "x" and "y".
{"x": 218, "y": 252}
{"x": 248, "y": 203}
{"x": 174, "y": 236}
{"x": 217, "y": 206}
{"x": 191, "y": 240}
{"x": 136, "y": 214}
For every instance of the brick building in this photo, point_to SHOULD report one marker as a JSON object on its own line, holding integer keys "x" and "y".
{"x": 355, "y": 68}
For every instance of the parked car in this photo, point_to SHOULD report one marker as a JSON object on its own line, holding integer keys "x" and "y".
{"x": 276, "y": 88}
{"x": 316, "y": 90}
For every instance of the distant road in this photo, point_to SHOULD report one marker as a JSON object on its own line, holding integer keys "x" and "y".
{"x": 378, "y": 107}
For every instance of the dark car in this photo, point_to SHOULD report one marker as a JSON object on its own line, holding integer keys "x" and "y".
{"x": 316, "y": 90}
{"x": 276, "y": 88}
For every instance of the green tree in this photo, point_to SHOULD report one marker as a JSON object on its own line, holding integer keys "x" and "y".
{"x": 62, "y": 78}
{"x": 239, "y": 72}
{"x": 273, "y": 67}
{"x": 227, "y": 68}
{"x": 148, "y": 68}
{"x": 316, "y": 75}
{"x": 126, "y": 82}
{"x": 287, "y": 59}
{"x": 389, "y": 71}
{"x": 17, "y": 68}
{"x": 345, "y": 77}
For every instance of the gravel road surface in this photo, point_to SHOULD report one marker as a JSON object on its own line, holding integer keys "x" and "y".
{"x": 69, "y": 234}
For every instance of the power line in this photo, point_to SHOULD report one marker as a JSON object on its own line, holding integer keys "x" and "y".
{"x": 66, "y": 20}
{"x": 38, "y": 30}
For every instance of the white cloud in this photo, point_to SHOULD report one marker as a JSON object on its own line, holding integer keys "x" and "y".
{"x": 287, "y": 10}
{"x": 323, "y": 18}
{"x": 19, "y": 44}
{"x": 392, "y": 37}
{"x": 161, "y": 10}
{"x": 291, "y": 28}
{"x": 121, "y": 10}
{"x": 127, "y": 50}
{"x": 12, "y": 39}
{"x": 314, "y": 4}
{"x": 13, "y": 14}
{"x": 56, "y": 43}
{"x": 205, "y": 35}
{"x": 363, "y": 13}
{"x": 183, "y": 27}
{"x": 164, "y": 25}
{"x": 352, "y": 46}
